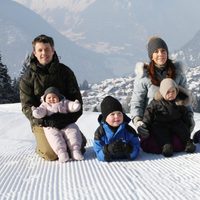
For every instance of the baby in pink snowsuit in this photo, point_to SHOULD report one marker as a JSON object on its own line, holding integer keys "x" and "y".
{"x": 70, "y": 136}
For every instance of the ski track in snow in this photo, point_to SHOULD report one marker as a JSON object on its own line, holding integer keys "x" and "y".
{"x": 26, "y": 176}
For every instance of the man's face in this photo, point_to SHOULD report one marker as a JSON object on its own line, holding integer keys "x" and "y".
{"x": 43, "y": 52}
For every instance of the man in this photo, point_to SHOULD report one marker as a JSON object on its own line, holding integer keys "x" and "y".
{"x": 45, "y": 71}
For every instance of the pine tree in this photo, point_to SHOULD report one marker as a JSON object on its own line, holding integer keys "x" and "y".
{"x": 15, "y": 88}
{"x": 25, "y": 65}
{"x": 15, "y": 82}
{"x": 84, "y": 85}
{"x": 6, "y": 91}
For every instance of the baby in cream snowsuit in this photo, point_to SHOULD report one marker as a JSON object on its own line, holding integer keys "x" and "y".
{"x": 70, "y": 136}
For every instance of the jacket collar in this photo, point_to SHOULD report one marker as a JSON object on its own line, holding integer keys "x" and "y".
{"x": 35, "y": 66}
{"x": 140, "y": 70}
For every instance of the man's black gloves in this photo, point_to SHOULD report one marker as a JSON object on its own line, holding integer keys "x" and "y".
{"x": 56, "y": 120}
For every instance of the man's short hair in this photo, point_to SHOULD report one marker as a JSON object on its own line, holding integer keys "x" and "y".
{"x": 43, "y": 39}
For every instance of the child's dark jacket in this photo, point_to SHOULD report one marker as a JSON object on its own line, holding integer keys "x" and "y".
{"x": 162, "y": 111}
{"x": 104, "y": 135}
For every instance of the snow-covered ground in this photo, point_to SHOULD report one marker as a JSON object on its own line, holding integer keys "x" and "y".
{"x": 25, "y": 176}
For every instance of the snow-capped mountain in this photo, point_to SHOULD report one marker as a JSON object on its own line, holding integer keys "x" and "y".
{"x": 190, "y": 53}
{"x": 90, "y": 21}
{"x": 120, "y": 29}
{"x": 122, "y": 88}
{"x": 193, "y": 78}
{"x": 19, "y": 25}
{"x": 97, "y": 39}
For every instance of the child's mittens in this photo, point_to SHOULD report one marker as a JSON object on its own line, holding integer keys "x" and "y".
{"x": 34, "y": 112}
{"x": 110, "y": 148}
{"x": 33, "y": 108}
{"x": 76, "y": 106}
{"x": 37, "y": 113}
{"x": 117, "y": 148}
{"x": 143, "y": 131}
{"x": 114, "y": 147}
{"x": 127, "y": 148}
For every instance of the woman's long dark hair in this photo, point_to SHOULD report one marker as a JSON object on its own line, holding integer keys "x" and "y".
{"x": 171, "y": 72}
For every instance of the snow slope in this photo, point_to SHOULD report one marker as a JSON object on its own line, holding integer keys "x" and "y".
{"x": 25, "y": 176}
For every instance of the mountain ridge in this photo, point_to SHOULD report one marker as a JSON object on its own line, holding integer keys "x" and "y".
{"x": 17, "y": 33}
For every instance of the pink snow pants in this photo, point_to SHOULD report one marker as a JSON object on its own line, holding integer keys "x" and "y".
{"x": 68, "y": 137}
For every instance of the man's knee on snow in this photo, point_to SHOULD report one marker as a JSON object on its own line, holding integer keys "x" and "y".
{"x": 47, "y": 155}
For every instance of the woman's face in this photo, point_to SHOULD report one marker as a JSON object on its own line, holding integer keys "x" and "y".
{"x": 159, "y": 57}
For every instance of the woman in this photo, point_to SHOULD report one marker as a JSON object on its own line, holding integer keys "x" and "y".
{"x": 147, "y": 82}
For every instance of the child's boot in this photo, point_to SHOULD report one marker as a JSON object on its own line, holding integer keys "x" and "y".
{"x": 190, "y": 147}
{"x": 63, "y": 157}
{"x": 77, "y": 155}
{"x": 196, "y": 137}
{"x": 167, "y": 150}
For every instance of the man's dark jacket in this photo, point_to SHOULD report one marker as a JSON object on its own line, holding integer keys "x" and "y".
{"x": 38, "y": 78}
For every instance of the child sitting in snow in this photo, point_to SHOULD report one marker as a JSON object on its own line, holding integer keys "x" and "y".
{"x": 70, "y": 136}
{"x": 114, "y": 138}
{"x": 166, "y": 115}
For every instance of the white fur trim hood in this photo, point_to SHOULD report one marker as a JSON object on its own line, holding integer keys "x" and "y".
{"x": 141, "y": 72}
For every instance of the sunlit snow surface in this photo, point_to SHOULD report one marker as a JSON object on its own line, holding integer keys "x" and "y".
{"x": 25, "y": 176}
